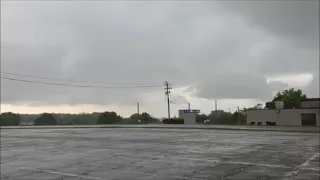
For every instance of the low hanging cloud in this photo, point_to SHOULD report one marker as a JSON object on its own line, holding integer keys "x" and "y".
{"x": 278, "y": 85}
{"x": 313, "y": 89}
{"x": 224, "y": 49}
{"x": 246, "y": 86}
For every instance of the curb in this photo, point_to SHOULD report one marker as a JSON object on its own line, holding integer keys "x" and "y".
{"x": 164, "y": 127}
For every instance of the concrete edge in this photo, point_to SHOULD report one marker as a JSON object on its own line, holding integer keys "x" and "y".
{"x": 271, "y": 129}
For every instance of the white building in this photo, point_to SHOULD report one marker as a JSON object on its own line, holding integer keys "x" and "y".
{"x": 307, "y": 115}
{"x": 188, "y": 115}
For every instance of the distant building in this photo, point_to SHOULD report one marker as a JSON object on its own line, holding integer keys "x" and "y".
{"x": 307, "y": 115}
{"x": 311, "y": 103}
{"x": 188, "y": 115}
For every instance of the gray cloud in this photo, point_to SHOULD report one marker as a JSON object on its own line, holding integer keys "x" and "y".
{"x": 313, "y": 89}
{"x": 296, "y": 21}
{"x": 278, "y": 86}
{"x": 176, "y": 98}
{"x": 291, "y": 60}
{"x": 240, "y": 83}
{"x": 295, "y": 25}
{"x": 202, "y": 44}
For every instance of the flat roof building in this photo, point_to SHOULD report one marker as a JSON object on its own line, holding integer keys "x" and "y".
{"x": 308, "y": 114}
{"x": 188, "y": 115}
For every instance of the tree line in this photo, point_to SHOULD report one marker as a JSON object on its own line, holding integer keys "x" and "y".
{"x": 291, "y": 98}
{"x": 13, "y": 119}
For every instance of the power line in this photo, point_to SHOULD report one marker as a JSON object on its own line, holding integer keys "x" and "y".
{"x": 172, "y": 102}
{"x": 78, "y": 81}
{"x": 75, "y": 85}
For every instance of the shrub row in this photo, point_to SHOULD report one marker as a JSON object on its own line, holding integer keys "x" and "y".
{"x": 268, "y": 123}
{"x": 173, "y": 121}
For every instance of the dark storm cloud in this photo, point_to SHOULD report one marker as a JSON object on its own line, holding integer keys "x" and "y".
{"x": 296, "y": 26}
{"x": 205, "y": 44}
{"x": 296, "y": 21}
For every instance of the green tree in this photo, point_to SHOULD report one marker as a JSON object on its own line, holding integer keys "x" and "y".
{"x": 45, "y": 119}
{"x": 10, "y": 119}
{"x": 109, "y": 118}
{"x": 239, "y": 118}
{"x": 200, "y": 118}
{"x": 128, "y": 121}
{"x": 144, "y": 117}
{"x": 257, "y": 106}
{"x": 221, "y": 117}
{"x": 76, "y": 121}
{"x": 135, "y": 116}
{"x": 291, "y": 99}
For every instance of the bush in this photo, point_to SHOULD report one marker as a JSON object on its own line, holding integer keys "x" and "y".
{"x": 10, "y": 119}
{"x": 165, "y": 121}
{"x": 109, "y": 118}
{"x": 269, "y": 123}
{"x": 173, "y": 121}
{"x": 259, "y": 123}
{"x": 252, "y": 123}
{"x": 45, "y": 119}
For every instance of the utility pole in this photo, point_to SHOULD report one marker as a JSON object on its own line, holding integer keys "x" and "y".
{"x": 238, "y": 115}
{"x": 188, "y": 106}
{"x": 167, "y": 93}
{"x": 138, "y": 110}
{"x": 216, "y": 107}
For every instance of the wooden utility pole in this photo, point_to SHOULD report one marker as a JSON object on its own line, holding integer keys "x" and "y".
{"x": 138, "y": 110}
{"x": 216, "y": 106}
{"x": 167, "y": 93}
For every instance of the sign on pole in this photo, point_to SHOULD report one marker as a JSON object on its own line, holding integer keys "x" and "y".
{"x": 191, "y": 111}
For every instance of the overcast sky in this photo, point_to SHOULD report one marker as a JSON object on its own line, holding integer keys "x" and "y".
{"x": 237, "y": 52}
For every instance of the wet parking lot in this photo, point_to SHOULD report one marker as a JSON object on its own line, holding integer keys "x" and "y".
{"x": 157, "y": 154}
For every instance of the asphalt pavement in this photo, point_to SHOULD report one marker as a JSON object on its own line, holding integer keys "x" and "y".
{"x": 157, "y": 154}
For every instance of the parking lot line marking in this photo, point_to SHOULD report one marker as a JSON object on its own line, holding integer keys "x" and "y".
{"x": 195, "y": 159}
{"x": 302, "y": 166}
{"x": 187, "y": 178}
{"x": 235, "y": 162}
{"x": 311, "y": 169}
{"x": 307, "y": 162}
{"x": 61, "y": 173}
{"x": 257, "y": 164}
{"x": 287, "y": 152}
{"x": 248, "y": 163}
